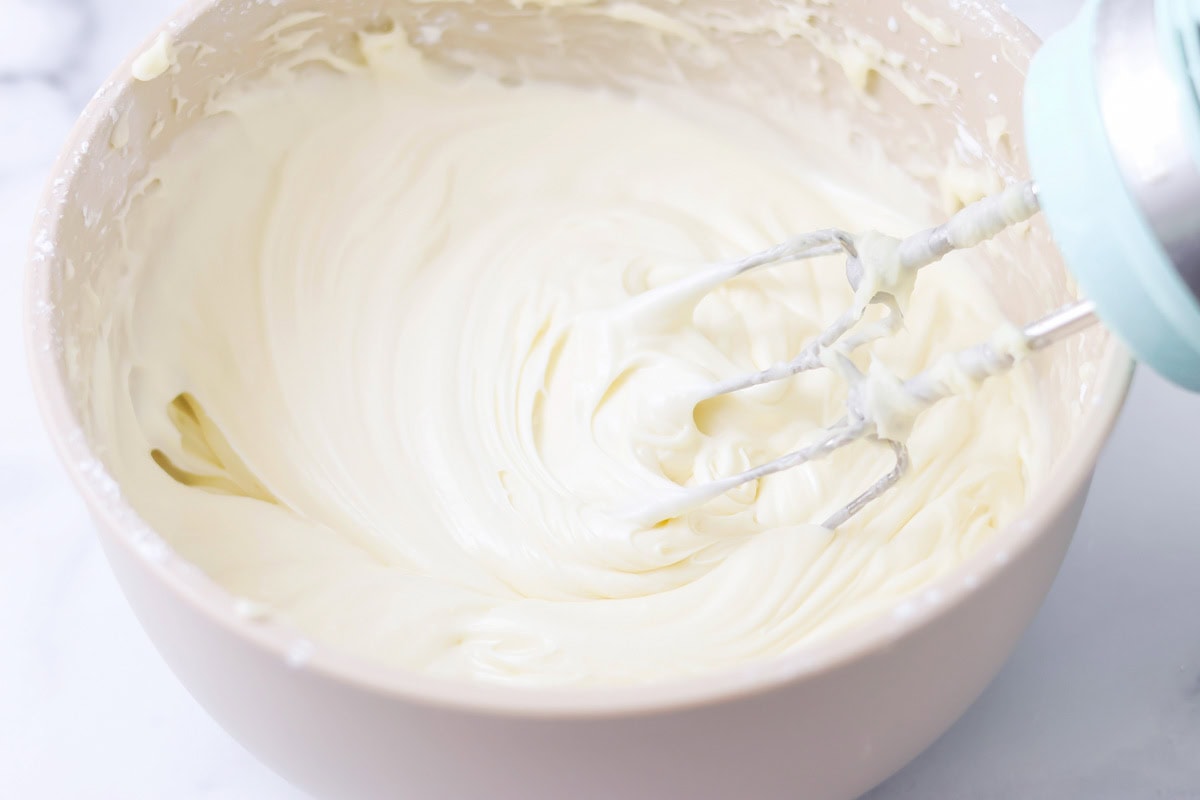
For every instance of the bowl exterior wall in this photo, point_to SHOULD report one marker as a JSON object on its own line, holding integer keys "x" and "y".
{"x": 833, "y": 734}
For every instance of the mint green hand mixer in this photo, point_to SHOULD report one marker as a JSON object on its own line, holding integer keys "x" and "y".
{"x": 1113, "y": 134}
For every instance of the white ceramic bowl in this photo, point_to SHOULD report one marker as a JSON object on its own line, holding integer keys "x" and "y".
{"x": 827, "y": 721}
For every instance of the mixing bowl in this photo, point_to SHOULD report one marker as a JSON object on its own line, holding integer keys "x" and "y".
{"x": 829, "y": 720}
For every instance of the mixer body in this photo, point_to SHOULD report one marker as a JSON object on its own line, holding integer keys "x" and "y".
{"x": 1112, "y": 123}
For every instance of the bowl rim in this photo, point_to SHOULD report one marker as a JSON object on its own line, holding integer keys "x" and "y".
{"x": 117, "y": 520}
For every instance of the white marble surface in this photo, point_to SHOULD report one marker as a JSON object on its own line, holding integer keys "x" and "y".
{"x": 1100, "y": 701}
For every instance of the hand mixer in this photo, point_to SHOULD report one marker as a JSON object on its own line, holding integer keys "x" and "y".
{"x": 1112, "y": 124}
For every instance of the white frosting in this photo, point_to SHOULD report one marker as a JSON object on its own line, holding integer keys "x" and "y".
{"x": 937, "y": 28}
{"x": 155, "y": 59}
{"x": 391, "y": 357}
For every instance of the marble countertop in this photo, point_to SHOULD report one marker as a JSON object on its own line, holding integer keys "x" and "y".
{"x": 1101, "y": 699}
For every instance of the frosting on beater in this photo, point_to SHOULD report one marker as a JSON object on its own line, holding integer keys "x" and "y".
{"x": 385, "y": 366}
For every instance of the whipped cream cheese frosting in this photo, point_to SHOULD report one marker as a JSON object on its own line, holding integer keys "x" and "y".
{"x": 383, "y": 365}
